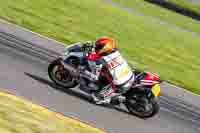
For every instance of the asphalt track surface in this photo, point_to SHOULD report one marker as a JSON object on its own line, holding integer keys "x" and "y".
{"x": 23, "y": 70}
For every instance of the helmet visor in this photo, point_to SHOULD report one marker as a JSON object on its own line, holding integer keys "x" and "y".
{"x": 99, "y": 47}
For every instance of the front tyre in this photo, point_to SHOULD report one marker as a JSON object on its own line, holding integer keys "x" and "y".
{"x": 143, "y": 110}
{"x": 59, "y": 75}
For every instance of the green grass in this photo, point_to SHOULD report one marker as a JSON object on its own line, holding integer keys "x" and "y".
{"x": 20, "y": 116}
{"x": 146, "y": 43}
{"x": 194, "y": 6}
{"x": 163, "y": 14}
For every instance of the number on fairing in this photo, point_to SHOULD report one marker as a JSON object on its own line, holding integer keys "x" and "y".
{"x": 156, "y": 90}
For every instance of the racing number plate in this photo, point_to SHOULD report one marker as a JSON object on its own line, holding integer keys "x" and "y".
{"x": 156, "y": 90}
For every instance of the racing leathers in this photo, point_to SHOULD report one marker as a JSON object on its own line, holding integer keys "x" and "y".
{"x": 118, "y": 73}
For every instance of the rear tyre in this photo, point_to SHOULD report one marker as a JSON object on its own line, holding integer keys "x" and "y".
{"x": 140, "y": 110}
{"x": 61, "y": 78}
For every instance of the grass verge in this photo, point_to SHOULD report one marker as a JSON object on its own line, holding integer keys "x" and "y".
{"x": 163, "y": 14}
{"x": 18, "y": 115}
{"x": 146, "y": 43}
{"x": 193, "y": 5}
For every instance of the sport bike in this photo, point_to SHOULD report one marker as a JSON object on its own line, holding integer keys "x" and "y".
{"x": 140, "y": 95}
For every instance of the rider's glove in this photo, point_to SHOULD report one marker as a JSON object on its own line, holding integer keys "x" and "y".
{"x": 87, "y": 44}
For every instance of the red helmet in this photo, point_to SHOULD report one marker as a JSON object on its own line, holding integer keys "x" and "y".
{"x": 104, "y": 45}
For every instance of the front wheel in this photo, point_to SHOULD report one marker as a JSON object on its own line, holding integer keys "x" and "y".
{"x": 143, "y": 109}
{"x": 59, "y": 75}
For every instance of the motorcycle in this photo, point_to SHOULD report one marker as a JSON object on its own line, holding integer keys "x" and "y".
{"x": 141, "y": 98}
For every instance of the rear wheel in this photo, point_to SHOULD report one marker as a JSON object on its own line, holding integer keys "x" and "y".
{"x": 59, "y": 75}
{"x": 143, "y": 109}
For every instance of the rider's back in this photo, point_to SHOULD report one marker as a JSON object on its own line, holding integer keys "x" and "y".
{"x": 118, "y": 67}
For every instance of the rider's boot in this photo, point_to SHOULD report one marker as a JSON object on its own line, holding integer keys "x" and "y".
{"x": 104, "y": 95}
{"x": 98, "y": 100}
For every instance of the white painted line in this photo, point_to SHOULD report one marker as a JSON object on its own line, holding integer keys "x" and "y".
{"x": 19, "y": 27}
{"x": 182, "y": 89}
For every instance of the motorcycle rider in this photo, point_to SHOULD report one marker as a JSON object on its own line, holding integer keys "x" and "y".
{"x": 105, "y": 52}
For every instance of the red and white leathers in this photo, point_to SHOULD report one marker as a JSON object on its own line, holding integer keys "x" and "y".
{"x": 118, "y": 68}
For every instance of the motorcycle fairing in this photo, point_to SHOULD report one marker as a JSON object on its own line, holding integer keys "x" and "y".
{"x": 149, "y": 79}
